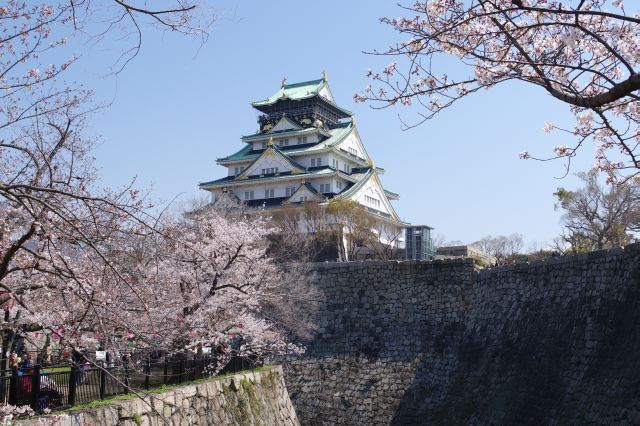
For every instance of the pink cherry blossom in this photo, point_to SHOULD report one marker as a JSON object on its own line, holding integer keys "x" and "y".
{"x": 585, "y": 54}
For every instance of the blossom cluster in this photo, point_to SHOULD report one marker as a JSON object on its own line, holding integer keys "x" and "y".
{"x": 585, "y": 54}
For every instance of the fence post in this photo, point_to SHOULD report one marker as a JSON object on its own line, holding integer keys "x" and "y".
{"x": 126, "y": 377}
{"x": 181, "y": 370}
{"x": 103, "y": 381}
{"x": 164, "y": 375}
{"x": 147, "y": 373}
{"x": 13, "y": 387}
{"x": 3, "y": 388}
{"x": 35, "y": 387}
{"x": 73, "y": 378}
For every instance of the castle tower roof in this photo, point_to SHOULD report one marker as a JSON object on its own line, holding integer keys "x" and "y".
{"x": 307, "y": 148}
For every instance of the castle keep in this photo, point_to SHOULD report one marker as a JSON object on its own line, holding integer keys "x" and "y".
{"x": 306, "y": 149}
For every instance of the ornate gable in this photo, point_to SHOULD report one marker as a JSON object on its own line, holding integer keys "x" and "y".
{"x": 305, "y": 192}
{"x": 325, "y": 92}
{"x": 353, "y": 145}
{"x": 370, "y": 193}
{"x": 285, "y": 124}
{"x": 226, "y": 200}
{"x": 272, "y": 161}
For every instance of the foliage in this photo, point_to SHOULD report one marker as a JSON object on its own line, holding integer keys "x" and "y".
{"x": 293, "y": 301}
{"x": 479, "y": 263}
{"x": 59, "y": 230}
{"x": 89, "y": 265}
{"x": 352, "y": 226}
{"x": 583, "y": 53}
{"x": 535, "y": 255}
{"x": 596, "y": 217}
{"x": 295, "y": 225}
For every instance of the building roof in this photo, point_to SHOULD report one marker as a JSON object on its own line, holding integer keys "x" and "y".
{"x": 278, "y": 153}
{"x": 300, "y": 91}
{"x": 392, "y": 195}
{"x": 310, "y": 188}
{"x": 295, "y": 91}
{"x": 336, "y": 135}
{"x": 420, "y": 226}
{"x": 266, "y": 202}
{"x": 294, "y": 132}
{"x": 305, "y": 186}
{"x": 231, "y": 180}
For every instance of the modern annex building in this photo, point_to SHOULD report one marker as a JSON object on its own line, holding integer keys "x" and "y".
{"x": 307, "y": 148}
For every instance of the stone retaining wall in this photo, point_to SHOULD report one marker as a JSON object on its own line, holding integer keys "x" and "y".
{"x": 257, "y": 398}
{"x": 550, "y": 342}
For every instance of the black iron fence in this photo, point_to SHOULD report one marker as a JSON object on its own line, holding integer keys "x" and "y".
{"x": 61, "y": 387}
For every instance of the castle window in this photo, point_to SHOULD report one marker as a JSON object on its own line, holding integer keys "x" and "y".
{"x": 347, "y": 168}
{"x": 264, "y": 145}
{"x": 285, "y": 142}
{"x": 248, "y": 195}
{"x": 325, "y": 187}
{"x": 372, "y": 201}
{"x": 290, "y": 190}
{"x": 268, "y": 193}
{"x": 339, "y": 184}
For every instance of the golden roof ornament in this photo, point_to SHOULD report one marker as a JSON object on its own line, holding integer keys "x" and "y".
{"x": 284, "y": 81}
{"x": 324, "y": 75}
{"x": 371, "y": 163}
{"x": 353, "y": 120}
{"x": 270, "y": 141}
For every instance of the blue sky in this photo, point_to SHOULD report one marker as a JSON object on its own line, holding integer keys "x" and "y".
{"x": 179, "y": 105}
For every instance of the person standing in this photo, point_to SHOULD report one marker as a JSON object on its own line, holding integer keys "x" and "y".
{"x": 26, "y": 361}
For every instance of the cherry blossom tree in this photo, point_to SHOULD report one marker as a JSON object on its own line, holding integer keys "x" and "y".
{"x": 192, "y": 283}
{"x": 585, "y": 53}
{"x": 60, "y": 233}
{"x": 85, "y": 263}
{"x": 94, "y": 266}
{"x": 216, "y": 276}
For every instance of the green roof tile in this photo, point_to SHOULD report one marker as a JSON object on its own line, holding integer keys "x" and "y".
{"x": 231, "y": 181}
{"x": 299, "y": 91}
{"x": 243, "y": 154}
{"x": 294, "y": 91}
{"x": 337, "y": 135}
{"x": 295, "y": 132}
